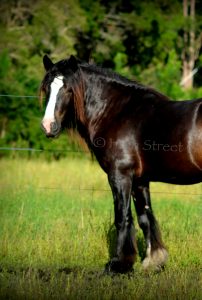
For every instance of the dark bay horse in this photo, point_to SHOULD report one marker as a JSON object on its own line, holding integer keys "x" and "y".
{"x": 137, "y": 135}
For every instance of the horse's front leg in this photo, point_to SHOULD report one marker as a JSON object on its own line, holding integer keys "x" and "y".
{"x": 121, "y": 185}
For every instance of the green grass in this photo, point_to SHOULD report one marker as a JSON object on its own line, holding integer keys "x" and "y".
{"x": 55, "y": 220}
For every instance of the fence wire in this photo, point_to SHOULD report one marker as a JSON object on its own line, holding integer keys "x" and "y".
{"x": 18, "y": 96}
{"x": 41, "y": 150}
{"x": 68, "y": 151}
{"x": 92, "y": 190}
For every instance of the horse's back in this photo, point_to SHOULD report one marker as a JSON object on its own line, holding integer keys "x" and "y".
{"x": 172, "y": 142}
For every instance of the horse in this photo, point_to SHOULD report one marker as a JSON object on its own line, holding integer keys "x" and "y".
{"x": 137, "y": 135}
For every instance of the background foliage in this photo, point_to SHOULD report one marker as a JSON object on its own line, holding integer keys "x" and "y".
{"x": 142, "y": 40}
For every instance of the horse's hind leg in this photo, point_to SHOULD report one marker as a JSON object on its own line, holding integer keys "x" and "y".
{"x": 156, "y": 254}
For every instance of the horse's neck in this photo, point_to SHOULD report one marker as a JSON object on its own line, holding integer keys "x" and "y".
{"x": 93, "y": 98}
{"x": 103, "y": 96}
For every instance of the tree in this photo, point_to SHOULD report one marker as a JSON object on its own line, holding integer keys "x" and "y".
{"x": 192, "y": 44}
{"x": 149, "y": 40}
{"x": 28, "y": 30}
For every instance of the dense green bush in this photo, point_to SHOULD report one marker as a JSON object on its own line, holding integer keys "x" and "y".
{"x": 141, "y": 40}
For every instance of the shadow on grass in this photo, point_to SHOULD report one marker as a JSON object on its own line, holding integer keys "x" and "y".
{"x": 46, "y": 274}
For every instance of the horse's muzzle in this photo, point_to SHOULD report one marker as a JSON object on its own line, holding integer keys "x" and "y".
{"x": 53, "y": 130}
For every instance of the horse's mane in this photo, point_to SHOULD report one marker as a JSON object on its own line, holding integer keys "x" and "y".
{"x": 112, "y": 76}
{"x": 78, "y": 91}
{"x": 109, "y": 74}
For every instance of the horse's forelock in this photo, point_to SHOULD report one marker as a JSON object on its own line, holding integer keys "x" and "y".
{"x": 41, "y": 94}
{"x": 78, "y": 91}
{"x": 43, "y": 88}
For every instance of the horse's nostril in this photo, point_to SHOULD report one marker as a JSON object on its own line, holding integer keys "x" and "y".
{"x": 54, "y": 126}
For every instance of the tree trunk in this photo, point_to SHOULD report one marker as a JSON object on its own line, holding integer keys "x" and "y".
{"x": 188, "y": 53}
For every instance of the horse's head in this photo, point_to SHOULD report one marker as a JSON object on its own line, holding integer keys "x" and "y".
{"x": 58, "y": 87}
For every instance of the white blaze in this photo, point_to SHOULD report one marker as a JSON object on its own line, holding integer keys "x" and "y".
{"x": 49, "y": 113}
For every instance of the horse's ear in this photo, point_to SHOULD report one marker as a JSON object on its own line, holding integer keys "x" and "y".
{"x": 73, "y": 64}
{"x": 47, "y": 62}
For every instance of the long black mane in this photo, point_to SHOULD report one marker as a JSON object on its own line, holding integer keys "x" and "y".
{"x": 109, "y": 74}
{"x": 113, "y": 77}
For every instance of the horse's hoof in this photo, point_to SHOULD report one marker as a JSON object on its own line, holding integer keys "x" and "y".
{"x": 156, "y": 260}
{"x": 115, "y": 266}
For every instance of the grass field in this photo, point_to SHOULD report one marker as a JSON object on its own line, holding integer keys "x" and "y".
{"x": 55, "y": 223}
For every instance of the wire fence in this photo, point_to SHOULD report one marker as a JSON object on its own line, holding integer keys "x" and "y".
{"x": 92, "y": 190}
{"x": 41, "y": 150}
{"x": 19, "y": 96}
